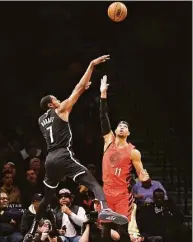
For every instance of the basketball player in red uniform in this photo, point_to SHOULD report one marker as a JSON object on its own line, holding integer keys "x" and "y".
{"x": 119, "y": 158}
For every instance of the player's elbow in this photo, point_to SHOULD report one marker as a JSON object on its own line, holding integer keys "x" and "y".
{"x": 80, "y": 87}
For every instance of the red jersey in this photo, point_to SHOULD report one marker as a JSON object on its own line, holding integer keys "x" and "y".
{"x": 117, "y": 166}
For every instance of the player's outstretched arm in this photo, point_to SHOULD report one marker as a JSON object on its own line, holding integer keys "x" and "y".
{"x": 104, "y": 118}
{"x": 137, "y": 163}
{"x": 83, "y": 84}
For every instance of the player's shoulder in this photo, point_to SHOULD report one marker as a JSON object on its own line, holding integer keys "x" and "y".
{"x": 135, "y": 153}
{"x": 44, "y": 115}
{"x": 40, "y": 119}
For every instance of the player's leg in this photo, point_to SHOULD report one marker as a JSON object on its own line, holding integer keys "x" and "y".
{"x": 123, "y": 205}
{"x": 90, "y": 182}
{"x": 106, "y": 214}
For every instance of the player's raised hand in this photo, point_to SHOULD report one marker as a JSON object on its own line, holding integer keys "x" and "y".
{"x": 144, "y": 176}
{"x": 101, "y": 59}
{"x": 104, "y": 85}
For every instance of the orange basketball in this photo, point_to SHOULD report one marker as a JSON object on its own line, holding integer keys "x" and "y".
{"x": 117, "y": 11}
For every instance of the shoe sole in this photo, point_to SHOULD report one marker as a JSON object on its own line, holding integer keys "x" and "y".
{"x": 114, "y": 218}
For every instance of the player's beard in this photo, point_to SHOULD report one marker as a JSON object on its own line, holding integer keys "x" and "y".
{"x": 121, "y": 136}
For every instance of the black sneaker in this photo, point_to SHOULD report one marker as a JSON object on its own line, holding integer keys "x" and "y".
{"x": 28, "y": 238}
{"x": 107, "y": 215}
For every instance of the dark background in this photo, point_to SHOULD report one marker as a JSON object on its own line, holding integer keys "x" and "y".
{"x": 45, "y": 48}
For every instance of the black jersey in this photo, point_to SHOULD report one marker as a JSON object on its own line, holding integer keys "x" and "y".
{"x": 56, "y": 131}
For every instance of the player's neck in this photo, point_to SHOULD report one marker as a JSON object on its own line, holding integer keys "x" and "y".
{"x": 120, "y": 143}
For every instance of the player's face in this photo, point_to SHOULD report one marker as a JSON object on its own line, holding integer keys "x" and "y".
{"x": 122, "y": 130}
{"x": 55, "y": 102}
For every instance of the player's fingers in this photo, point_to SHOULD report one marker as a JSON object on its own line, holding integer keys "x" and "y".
{"x": 104, "y": 79}
{"x": 105, "y": 56}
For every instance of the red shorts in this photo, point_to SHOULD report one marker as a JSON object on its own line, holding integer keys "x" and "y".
{"x": 121, "y": 203}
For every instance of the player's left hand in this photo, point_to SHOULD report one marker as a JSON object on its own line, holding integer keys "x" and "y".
{"x": 144, "y": 176}
{"x": 104, "y": 85}
{"x": 99, "y": 60}
{"x": 66, "y": 210}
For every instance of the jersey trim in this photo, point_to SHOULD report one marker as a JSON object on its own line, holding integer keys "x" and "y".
{"x": 80, "y": 173}
{"x": 53, "y": 187}
{"x": 108, "y": 146}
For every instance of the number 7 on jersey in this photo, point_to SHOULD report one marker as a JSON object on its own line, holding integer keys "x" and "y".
{"x": 51, "y": 133}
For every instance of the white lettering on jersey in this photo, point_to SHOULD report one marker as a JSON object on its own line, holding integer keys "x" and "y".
{"x": 47, "y": 121}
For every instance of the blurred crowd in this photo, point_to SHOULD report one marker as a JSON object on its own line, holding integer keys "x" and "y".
{"x": 72, "y": 216}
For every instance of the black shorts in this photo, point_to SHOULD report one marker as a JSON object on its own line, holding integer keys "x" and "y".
{"x": 61, "y": 163}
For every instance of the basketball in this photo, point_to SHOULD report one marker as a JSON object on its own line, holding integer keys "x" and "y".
{"x": 117, "y": 11}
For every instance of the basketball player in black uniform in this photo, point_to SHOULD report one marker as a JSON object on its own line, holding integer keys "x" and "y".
{"x": 60, "y": 161}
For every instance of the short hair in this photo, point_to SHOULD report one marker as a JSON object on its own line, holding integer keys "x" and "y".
{"x": 45, "y": 101}
{"x": 158, "y": 190}
{"x": 10, "y": 164}
{"x": 124, "y": 122}
{"x": 36, "y": 197}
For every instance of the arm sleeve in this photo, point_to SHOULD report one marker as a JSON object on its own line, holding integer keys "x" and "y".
{"x": 104, "y": 118}
{"x": 80, "y": 217}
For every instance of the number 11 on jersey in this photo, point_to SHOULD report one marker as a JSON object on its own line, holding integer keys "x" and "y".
{"x": 118, "y": 171}
{"x": 51, "y": 133}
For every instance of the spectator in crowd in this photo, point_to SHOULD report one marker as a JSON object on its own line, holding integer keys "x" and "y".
{"x": 33, "y": 149}
{"x": 143, "y": 191}
{"x": 10, "y": 167}
{"x": 9, "y": 221}
{"x": 30, "y": 187}
{"x": 44, "y": 233}
{"x": 28, "y": 216}
{"x": 10, "y": 189}
{"x": 135, "y": 234}
{"x": 35, "y": 164}
{"x": 26, "y": 152}
{"x": 69, "y": 217}
{"x": 164, "y": 219}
